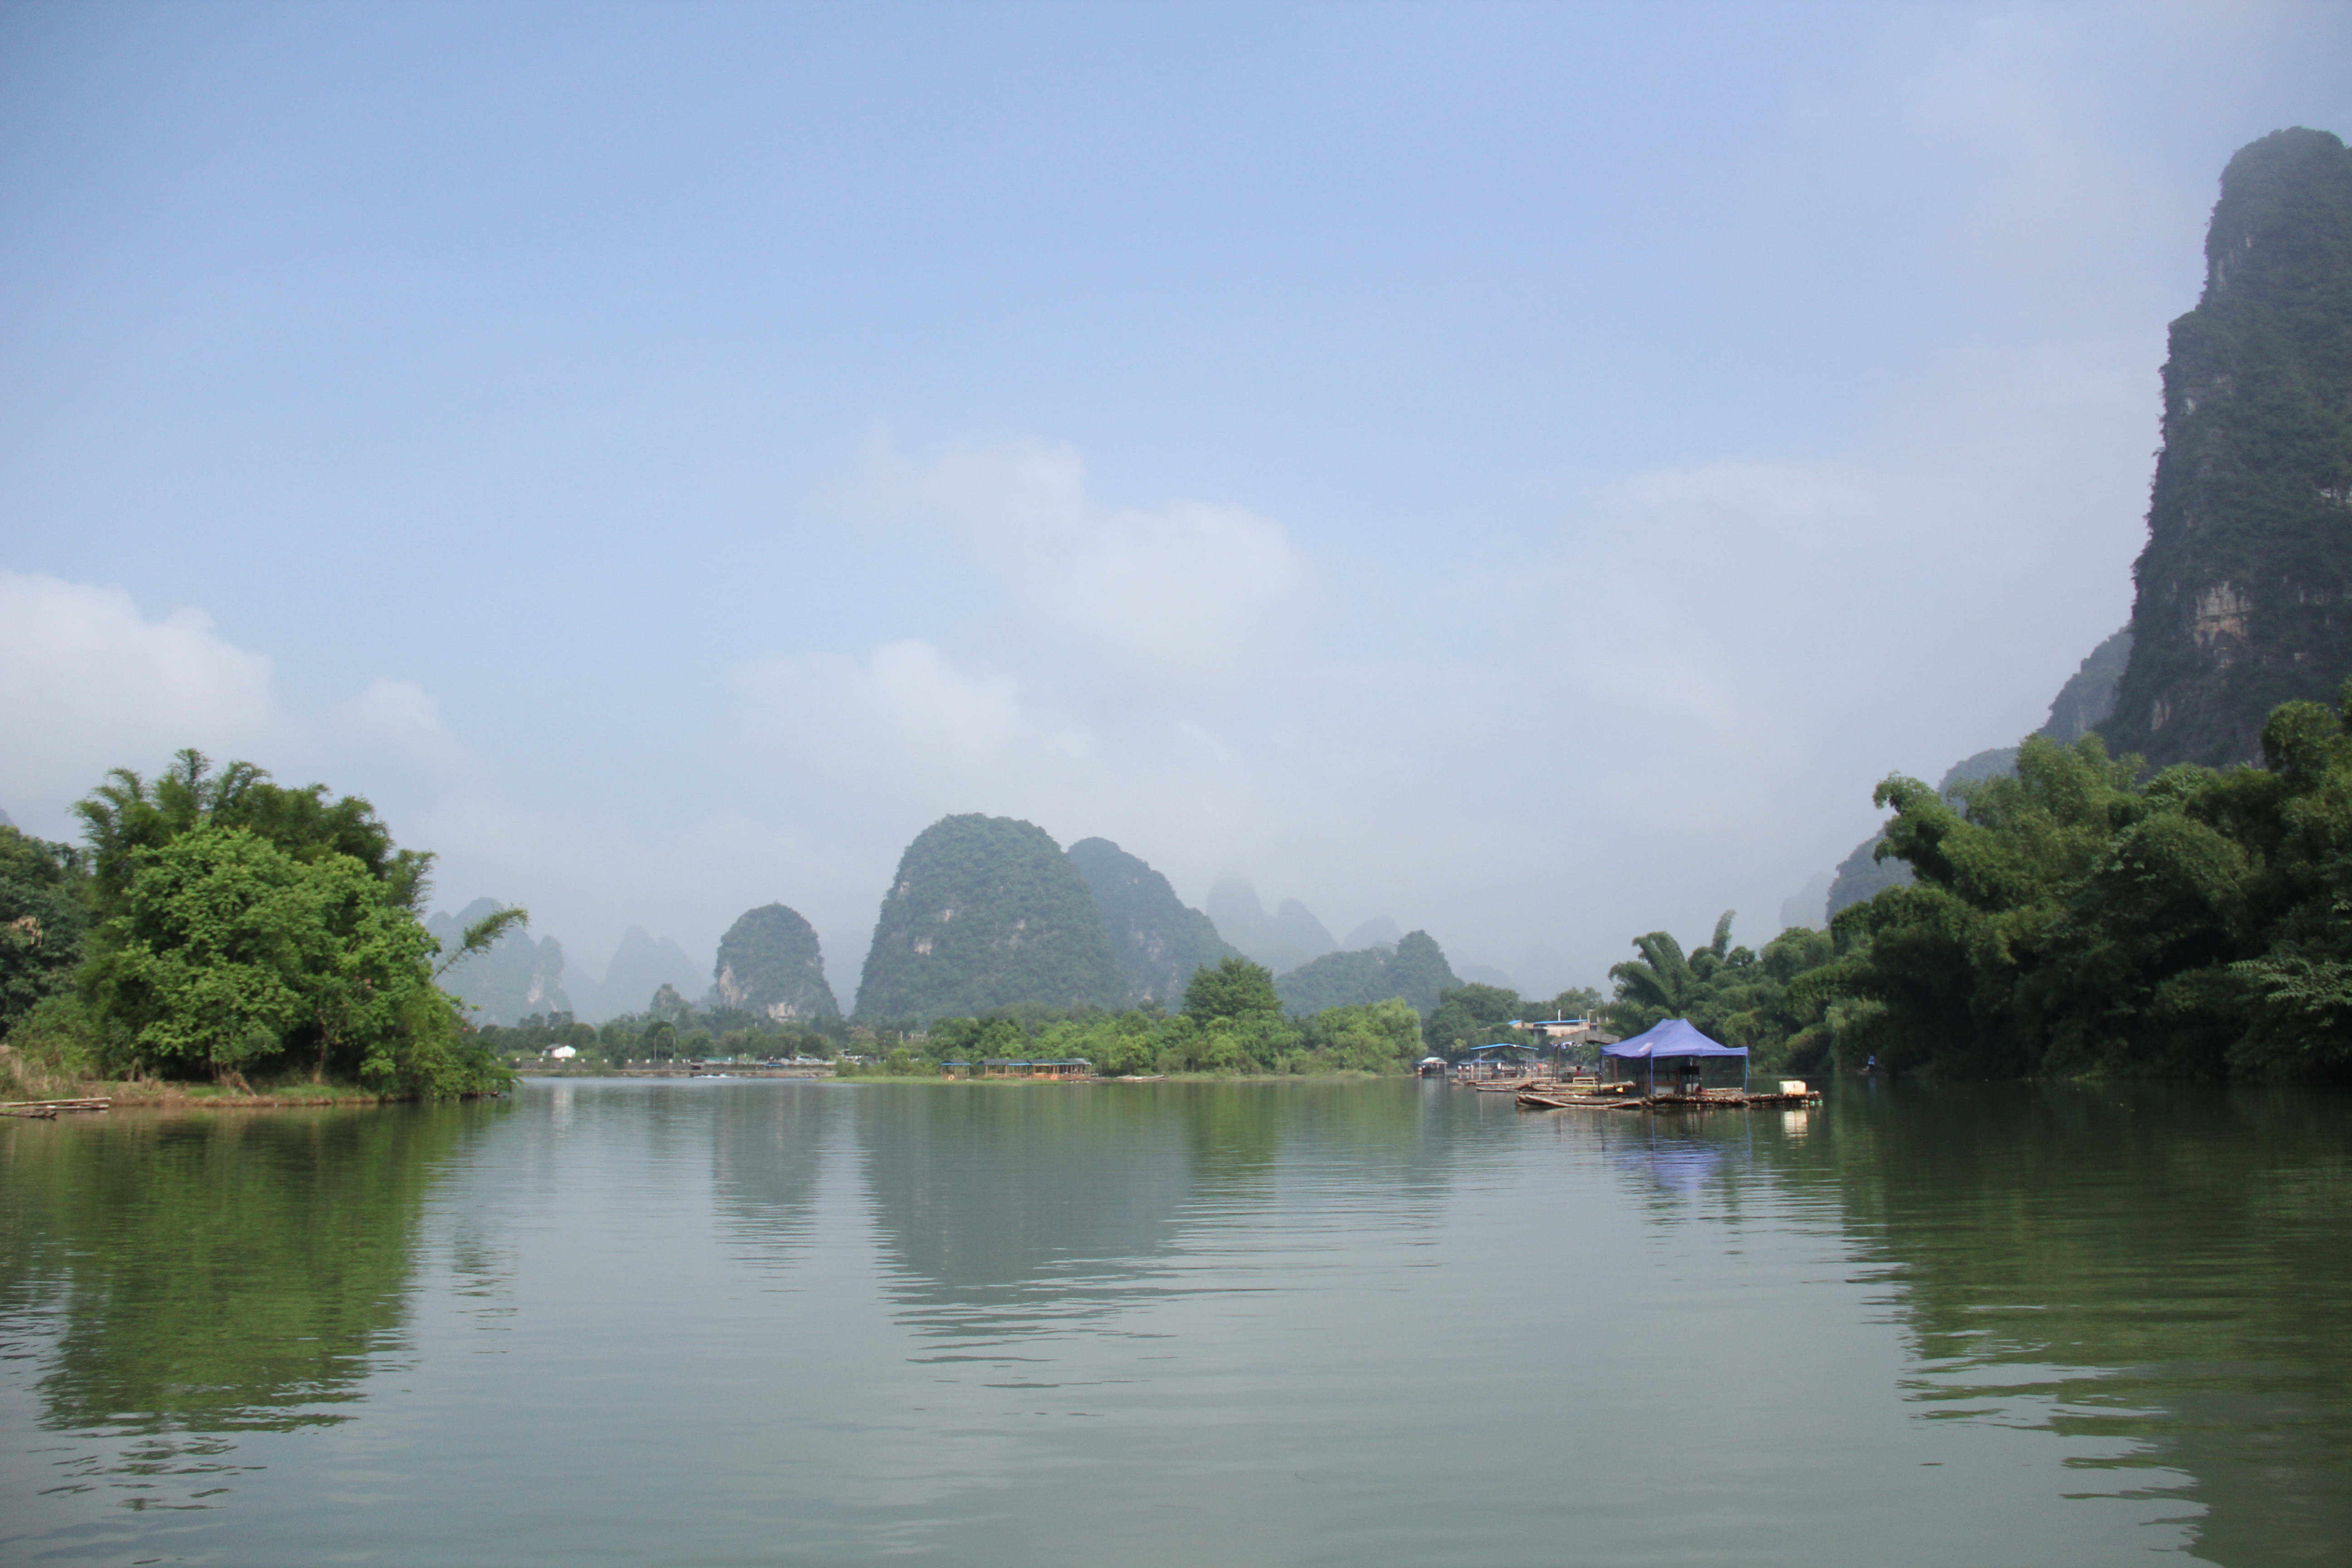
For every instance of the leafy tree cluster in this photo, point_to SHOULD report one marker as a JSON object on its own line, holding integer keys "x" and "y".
{"x": 220, "y": 925}
{"x": 1232, "y": 1022}
{"x": 1735, "y": 994}
{"x": 44, "y": 918}
{"x": 2073, "y": 919}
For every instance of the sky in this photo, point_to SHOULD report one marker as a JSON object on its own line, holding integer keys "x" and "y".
{"x": 1525, "y": 470}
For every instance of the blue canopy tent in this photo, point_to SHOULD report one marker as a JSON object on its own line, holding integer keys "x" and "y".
{"x": 1676, "y": 1037}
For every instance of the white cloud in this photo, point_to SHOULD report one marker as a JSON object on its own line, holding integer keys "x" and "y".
{"x": 1187, "y": 591}
{"x": 88, "y": 683}
{"x": 401, "y": 717}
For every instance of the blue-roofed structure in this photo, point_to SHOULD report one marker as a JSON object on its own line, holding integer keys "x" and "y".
{"x": 1678, "y": 1040}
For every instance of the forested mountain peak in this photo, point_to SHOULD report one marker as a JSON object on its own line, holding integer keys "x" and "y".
{"x": 1157, "y": 941}
{"x": 770, "y": 962}
{"x": 2241, "y": 589}
{"x": 986, "y": 912}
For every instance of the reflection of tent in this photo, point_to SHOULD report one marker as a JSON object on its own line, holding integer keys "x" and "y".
{"x": 1674, "y": 1037}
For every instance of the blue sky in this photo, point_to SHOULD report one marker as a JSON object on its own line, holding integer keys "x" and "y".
{"x": 1527, "y": 470}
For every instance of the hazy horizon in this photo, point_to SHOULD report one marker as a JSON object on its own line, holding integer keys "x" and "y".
{"x": 1524, "y": 471}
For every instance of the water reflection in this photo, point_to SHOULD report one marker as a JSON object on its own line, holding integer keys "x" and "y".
{"x": 2162, "y": 1269}
{"x": 183, "y": 1278}
{"x": 986, "y": 1199}
{"x": 768, "y": 1150}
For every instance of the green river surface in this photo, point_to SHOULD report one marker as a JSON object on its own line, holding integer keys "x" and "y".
{"x": 747, "y": 1321}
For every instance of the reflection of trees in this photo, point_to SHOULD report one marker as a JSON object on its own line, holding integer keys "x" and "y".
{"x": 991, "y": 1199}
{"x": 767, "y": 1148}
{"x": 982, "y": 1194}
{"x": 216, "y": 1273}
{"x": 2163, "y": 1266}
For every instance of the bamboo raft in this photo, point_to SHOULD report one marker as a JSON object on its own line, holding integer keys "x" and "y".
{"x": 47, "y": 1110}
{"x": 1705, "y": 1099}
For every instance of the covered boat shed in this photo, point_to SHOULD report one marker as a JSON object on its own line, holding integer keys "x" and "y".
{"x": 1676, "y": 1040}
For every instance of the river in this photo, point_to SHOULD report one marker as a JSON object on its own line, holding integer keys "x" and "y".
{"x": 749, "y": 1322}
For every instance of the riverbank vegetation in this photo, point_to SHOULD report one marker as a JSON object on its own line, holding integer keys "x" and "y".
{"x": 2075, "y": 918}
{"x": 1233, "y": 1023}
{"x": 219, "y": 928}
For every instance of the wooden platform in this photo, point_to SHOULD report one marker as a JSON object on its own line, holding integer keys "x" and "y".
{"x": 1708, "y": 1100}
{"x": 47, "y": 1110}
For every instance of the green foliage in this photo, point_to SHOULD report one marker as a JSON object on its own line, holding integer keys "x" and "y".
{"x": 244, "y": 928}
{"x": 1234, "y": 989}
{"x": 2072, "y": 920}
{"x": 1759, "y": 1000}
{"x": 127, "y": 813}
{"x": 44, "y": 918}
{"x": 986, "y": 911}
{"x": 226, "y": 955}
{"x": 1472, "y": 1015}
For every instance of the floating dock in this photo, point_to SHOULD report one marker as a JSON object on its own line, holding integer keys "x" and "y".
{"x": 1705, "y": 1099}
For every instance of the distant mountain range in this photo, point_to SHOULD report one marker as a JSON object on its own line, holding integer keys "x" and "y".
{"x": 1282, "y": 940}
{"x": 984, "y": 913}
{"x": 518, "y": 977}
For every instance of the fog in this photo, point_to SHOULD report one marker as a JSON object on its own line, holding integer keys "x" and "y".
{"x": 1525, "y": 472}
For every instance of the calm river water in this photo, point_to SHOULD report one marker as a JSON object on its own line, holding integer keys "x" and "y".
{"x": 729, "y": 1321}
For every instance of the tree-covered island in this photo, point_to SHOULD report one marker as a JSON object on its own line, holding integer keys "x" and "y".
{"x": 216, "y": 928}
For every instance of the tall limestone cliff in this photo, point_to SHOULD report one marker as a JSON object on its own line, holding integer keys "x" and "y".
{"x": 770, "y": 962}
{"x": 985, "y": 912}
{"x": 1156, "y": 938}
{"x": 2242, "y": 589}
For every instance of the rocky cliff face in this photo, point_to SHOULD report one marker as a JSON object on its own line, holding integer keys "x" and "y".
{"x": 770, "y": 962}
{"x": 985, "y": 912}
{"x": 1156, "y": 939}
{"x": 2241, "y": 601}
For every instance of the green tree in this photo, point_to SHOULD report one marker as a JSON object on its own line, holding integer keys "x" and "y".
{"x": 1235, "y": 989}
{"x": 44, "y": 917}
{"x": 128, "y": 813}
{"x": 227, "y": 954}
{"x": 1471, "y": 1015}
{"x": 1665, "y": 982}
